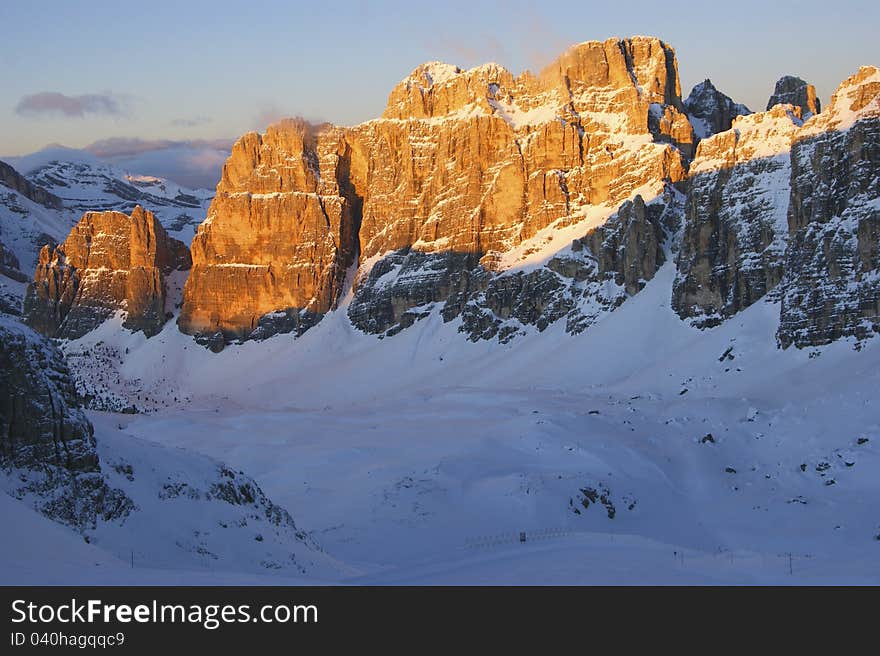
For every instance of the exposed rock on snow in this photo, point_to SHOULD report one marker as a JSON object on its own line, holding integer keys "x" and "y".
{"x": 776, "y": 204}
{"x": 48, "y": 448}
{"x": 11, "y": 178}
{"x": 583, "y": 281}
{"x": 170, "y": 508}
{"x": 110, "y": 262}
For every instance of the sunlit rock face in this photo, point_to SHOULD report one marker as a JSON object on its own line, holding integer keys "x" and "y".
{"x": 792, "y": 90}
{"x": 831, "y": 287}
{"x": 109, "y": 262}
{"x": 736, "y": 228}
{"x": 466, "y": 165}
{"x": 280, "y": 233}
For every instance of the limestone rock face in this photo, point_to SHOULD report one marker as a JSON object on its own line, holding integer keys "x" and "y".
{"x": 109, "y": 262}
{"x": 711, "y": 111}
{"x": 281, "y": 231}
{"x": 792, "y": 90}
{"x": 588, "y": 278}
{"x": 472, "y": 163}
{"x": 735, "y": 230}
{"x": 45, "y": 436}
{"x": 831, "y": 287}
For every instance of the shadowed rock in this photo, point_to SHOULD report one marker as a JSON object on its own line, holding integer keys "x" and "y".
{"x": 792, "y": 90}
{"x": 46, "y": 437}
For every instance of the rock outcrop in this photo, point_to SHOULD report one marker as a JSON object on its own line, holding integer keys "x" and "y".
{"x": 124, "y": 495}
{"x": 792, "y": 90}
{"x": 470, "y": 163}
{"x": 711, "y": 111}
{"x": 45, "y": 437}
{"x": 12, "y": 179}
{"x": 831, "y": 287}
{"x": 109, "y": 262}
{"x": 281, "y": 231}
{"x": 581, "y": 283}
{"x": 735, "y": 230}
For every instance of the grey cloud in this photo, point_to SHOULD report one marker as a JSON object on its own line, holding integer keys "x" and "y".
{"x": 52, "y": 102}
{"x": 192, "y": 163}
{"x": 195, "y": 121}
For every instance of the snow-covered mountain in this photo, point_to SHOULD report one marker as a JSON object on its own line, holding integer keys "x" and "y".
{"x": 509, "y": 305}
{"x": 87, "y": 184}
{"x": 43, "y": 196}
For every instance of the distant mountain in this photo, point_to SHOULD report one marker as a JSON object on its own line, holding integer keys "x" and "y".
{"x": 44, "y": 194}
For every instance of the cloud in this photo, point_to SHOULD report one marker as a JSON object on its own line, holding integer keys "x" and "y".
{"x": 193, "y": 122}
{"x": 52, "y": 102}
{"x": 270, "y": 114}
{"x": 193, "y": 163}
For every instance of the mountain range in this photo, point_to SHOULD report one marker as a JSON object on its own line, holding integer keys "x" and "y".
{"x": 568, "y": 299}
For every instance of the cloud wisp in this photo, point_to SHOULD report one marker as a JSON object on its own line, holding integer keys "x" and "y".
{"x": 192, "y": 163}
{"x": 191, "y": 122}
{"x": 53, "y": 102}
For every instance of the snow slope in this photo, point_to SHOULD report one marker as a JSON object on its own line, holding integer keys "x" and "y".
{"x": 421, "y": 457}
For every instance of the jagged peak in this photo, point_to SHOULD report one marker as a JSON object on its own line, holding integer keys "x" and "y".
{"x": 856, "y": 98}
{"x": 710, "y": 110}
{"x": 791, "y": 89}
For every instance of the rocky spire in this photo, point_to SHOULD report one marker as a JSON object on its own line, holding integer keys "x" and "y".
{"x": 791, "y": 90}
{"x": 711, "y": 111}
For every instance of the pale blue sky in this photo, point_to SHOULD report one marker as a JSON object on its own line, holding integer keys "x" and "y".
{"x": 207, "y": 70}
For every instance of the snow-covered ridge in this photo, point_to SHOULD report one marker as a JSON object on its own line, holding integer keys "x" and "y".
{"x": 856, "y": 98}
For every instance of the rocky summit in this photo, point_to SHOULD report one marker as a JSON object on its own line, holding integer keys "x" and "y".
{"x": 462, "y": 166}
{"x": 791, "y": 90}
{"x": 778, "y": 204}
{"x": 711, "y": 111}
{"x": 735, "y": 230}
{"x": 831, "y": 286}
{"x": 504, "y": 203}
{"x": 109, "y": 262}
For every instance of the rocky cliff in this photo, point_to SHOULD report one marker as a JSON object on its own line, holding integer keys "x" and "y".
{"x": 831, "y": 286}
{"x": 463, "y": 166}
{"x": 792, "y": 90}
{"x": 109, "y": 262}
{"x": 45, "y": 437}
{"x": 793, "y": 207}
{"x": 735, "y": 229}
{"x": 12, "y": 179}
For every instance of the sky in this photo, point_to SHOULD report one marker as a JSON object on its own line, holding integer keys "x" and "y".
{"x": 191, "y": 76}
